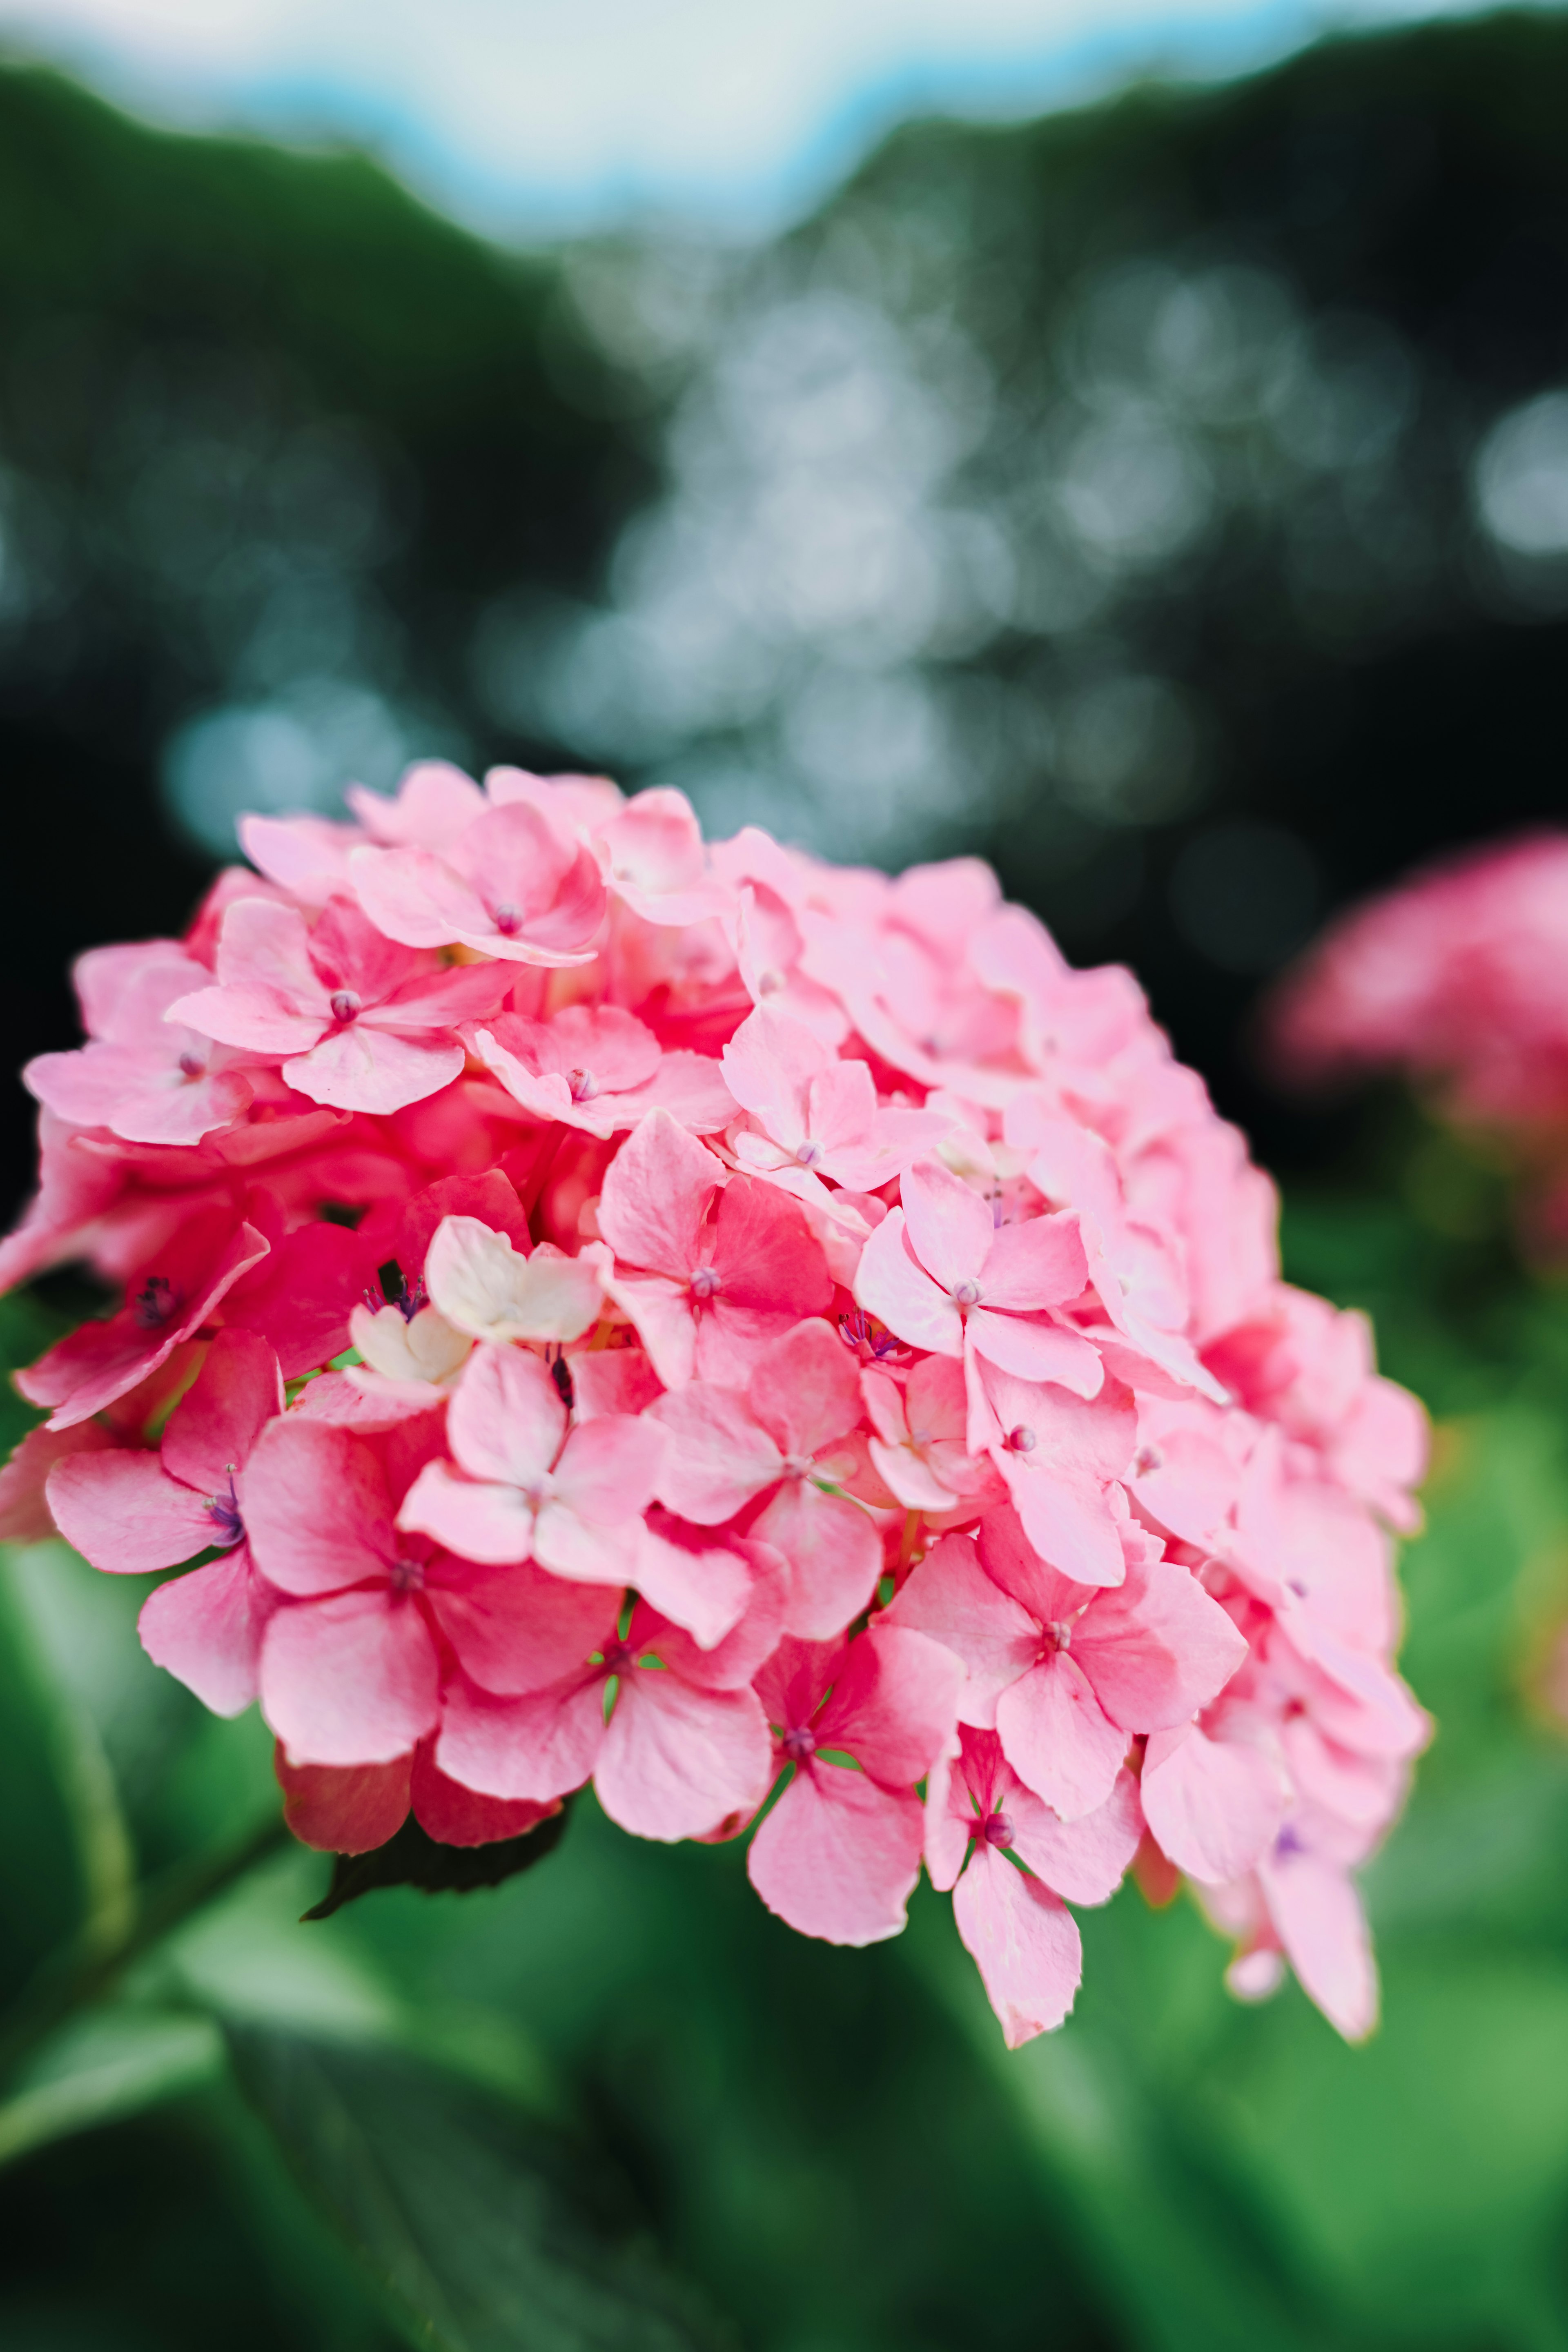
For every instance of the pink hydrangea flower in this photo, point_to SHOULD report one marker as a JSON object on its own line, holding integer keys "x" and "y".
{"x": 604, "y": 1307}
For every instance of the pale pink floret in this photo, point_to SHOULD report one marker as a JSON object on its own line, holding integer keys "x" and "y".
{"x": 486, "y": 1288}
{"x": 839, "y": 1854}
{"x": 131, "y": 1511}
{"x": 816, "y": 1115}
{"x": 1014, "y": 1922}
{"x": 656, "y": 864}
{"x": 524, "y": 1488}
{"x": 510, "y": 884}
{"x": 706, "y": 1275}
{"x": 1062, "y": 1458}
{"x": 1066, "y": 1674}
{"x": 784, "y": 1439}
{"x": 144, "y": 1079}
{"x": 351, "y": 1019}
{"x": 920, "y": 1449}
{"x": 600, "y": 1068}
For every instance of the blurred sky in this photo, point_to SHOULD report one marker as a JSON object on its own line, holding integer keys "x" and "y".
{"x": 555, "y": 115}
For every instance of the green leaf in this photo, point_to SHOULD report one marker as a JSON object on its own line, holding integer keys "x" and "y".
{"x": 483, "y": 2229}
{"x": 104, "y": 2066}
{"x": 413, "y": 1858}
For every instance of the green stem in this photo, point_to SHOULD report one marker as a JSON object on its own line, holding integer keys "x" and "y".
{"x": 80, "y": 1974}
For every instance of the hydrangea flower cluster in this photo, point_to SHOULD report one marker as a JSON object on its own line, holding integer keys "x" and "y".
{"x": 768, "y": 1339}
{"x": 1457, "y": 980}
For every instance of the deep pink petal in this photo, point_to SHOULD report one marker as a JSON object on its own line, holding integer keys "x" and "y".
{"x": 892, "y": 1285}
{"x": 215, "y": 1425}
{"x": 300, "y": 1296}
{"x": 677, "y": 1759}
{"x": 514, "y": 1628}
{"x": 895, "y": 1705}
{"x": 1057, "y": 1739}
{"x": 343, "y": 1809}
{"x": 349, "y": 1680}
{"x": 315, "y": 1507}
{"x": 741, "y": 1654}
{"x": 535, "y": 1748}
{"x": 123, "y": 1511}
{"x": 454, "y": 1815}
{"x": 1023, "y": 1942}
{"x": 656, "y": 1193}
{"x": 770, "y": 1264}
{"x": 205, "y": 1630}
{"x": 838, "y": 1856}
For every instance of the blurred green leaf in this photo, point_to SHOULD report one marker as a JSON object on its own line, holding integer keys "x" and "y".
{"x": 414, "y": 1858}
{"x": 103, "y": 2066}
{"x": 485, "y": 2232}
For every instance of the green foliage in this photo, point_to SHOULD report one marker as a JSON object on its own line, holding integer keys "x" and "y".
{"x": 413, "y": 1858}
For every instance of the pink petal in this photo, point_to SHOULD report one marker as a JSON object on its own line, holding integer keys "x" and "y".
{"x": 951, "y": 1228}
{"x": 741, "y": 1654}
{"x": 835, "y": 1553}
{"x": 805, "y": 1389}
{"x": 266, "y": 946}
{"x": 656, "y": 1191}
{"x": 1036, "y": 1350}
{"x": 1039, "y": 1263}
{"x": 908, "y": 1479}
{"x": 515, "y": 1629}
{"x": 347, "y": 1809}
{"x": 123, "y": 1511}
{"x": 1083, "y": 1860}
{"x": 1067, "y": 1519}
{"x": 950, "y": 1597}
{"x": 612, "y": 1379}
{"x": 25, "y": 1515}
{"x": 838, "y": 1856}
{"x": 535, "y": 1748}
{"x": 205, "y": 1630}
{"x": 694, "y": 1578}
{"x": 454, "y": 1815}
{"x": 1023, "y": 1942}
{"x": 676, "y": 1759}
{"x": 771, "y": 1267}
{"x": 660, "y": 1311}
{"x": 507, "y": 1420}
{"x": 609, "y": 1469}
{"x": 891, "y": 1285}
{"x": 478, "y": 1518}
{"x": 215, "y": 1425}
{"x": 349, "y": 1680}
{"x": 300, "y": 1296}
{"x": 315, "y": 1507}
{"x": 718, "y": 1457}
{"x": 1058, "y": 1739}
{"x": 1213, "y": 1805}
{"x": 1158, "y": 1649}
{"x": 895, "y": 1705}
{"x": 435, "y": 802}
{"x": 690, "y": 1086}
{"x": 1320, "y": 1923}
{"x": 361, "y": 1068}
{"x": 414, "y": 896}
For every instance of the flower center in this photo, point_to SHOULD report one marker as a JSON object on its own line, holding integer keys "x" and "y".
{"x": 192, "y": 1064}
{"x": 345, "y": 1004}
{"x": 769, "y": 983}
{"x": 223, "y": 1510}
{"x": 808, "y": 1154}
{"x": 507, "y": 920}
{"x": 154, "y": 1303}
{"x": 1021, "y": 1440}
{"x": 584, "y": 1084}
{"x": 798, "y": 1744}
{"x": 705, "y": 1281}
{"x": 1059, "y": 1636}
{"x": 966, "y": 1293}
{"x": 1146, "y": 1459}
{"x": 997, "y": 1829}
{"x": 407, "y": 1575}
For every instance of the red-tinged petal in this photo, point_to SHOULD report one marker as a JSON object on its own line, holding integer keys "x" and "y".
{"x": 490, "y": 1199}
{"x": 1058, "y": 1739}
{"x": 315, "y": 1507}
{"x": 349, "y": 1680}
{"x": 1083, "y": 1860}
{"x": 1039, "y": 1263}
{"x": 515, "y": 1629}
{"x": 343, "y": 1809}
{"x": 891, "y": 1285}
{"x": 612, "y": 1379}
{"x": 212, "y": 1430}
{"x": 803, "y": 1389}
{"x": 1158, "y": 1649}
{"x": 25, "y": 1515}
{"x": 534, "y": 1748}
{"x": 1023, "y": 1942}
{"x": 718, "y": 1454}
{"x": 771, "y": 1266}
{"x": 475, "y": 1518}
{"x": 362, "y": 1067}
{"x": 835, "y": 1553}
{"x": 655, "y": 1194}
{"x": 454, "y": 1815}
{"x": 895, "y": 1705}
{"x": 1212, "y": 1805}
{"x": 1036, "y": 1350}
{"x": 300, "y": 1296}
{"x": 950, "y": 1597}
{"x": 677, "y": 1759}
{"x": 1318, "y": 1915}
{"x": 205, "y": 1630}
{"x": 507, "y": 1420}
{"x": 123, "y": 1511}
{"x": 952, "y": 1229}
{"x": 838, "y": 1856}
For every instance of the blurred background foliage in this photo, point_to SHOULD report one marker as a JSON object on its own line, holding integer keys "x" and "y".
{"x": 1170, "y": 500}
